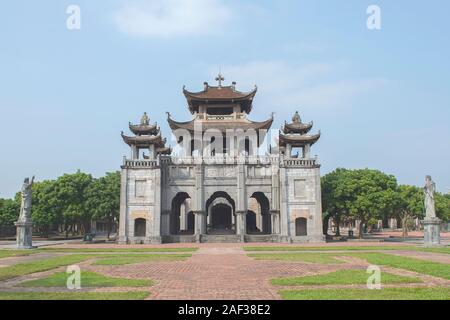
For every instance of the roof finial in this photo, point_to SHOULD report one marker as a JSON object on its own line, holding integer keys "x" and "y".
{"x": 145, "y": 120}
{"x": 296, "y": 117}
{"x": 220, "y": 78}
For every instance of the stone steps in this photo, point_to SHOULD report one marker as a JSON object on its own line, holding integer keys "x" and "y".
{"x": 216, "y": 238}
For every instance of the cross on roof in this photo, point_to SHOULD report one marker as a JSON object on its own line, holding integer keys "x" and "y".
{"x": 220, "y": 78}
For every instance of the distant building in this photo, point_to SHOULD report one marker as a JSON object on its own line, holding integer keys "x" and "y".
{"x": 216, "y": 186}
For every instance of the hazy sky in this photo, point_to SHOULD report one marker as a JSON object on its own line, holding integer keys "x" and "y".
{"x": 381, "y": 98}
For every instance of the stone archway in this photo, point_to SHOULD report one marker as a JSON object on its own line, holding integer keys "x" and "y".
{"x": 220, "y": 210}
{"x": 258, "y": 218}
{"x": 181, "y": 218}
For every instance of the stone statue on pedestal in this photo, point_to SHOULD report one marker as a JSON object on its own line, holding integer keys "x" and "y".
{"x": 431, "y": 223}
{"x": 24, "y": 224}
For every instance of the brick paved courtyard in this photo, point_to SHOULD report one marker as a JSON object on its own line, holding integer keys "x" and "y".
{"x": 217, "y": 271}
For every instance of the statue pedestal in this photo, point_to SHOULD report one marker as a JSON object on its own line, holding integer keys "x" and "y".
{"x": 432, "y": 228}
{"x": 24, "y": 234}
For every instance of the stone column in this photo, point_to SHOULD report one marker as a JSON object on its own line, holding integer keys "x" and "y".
{"x": 275, "y": 216}
{"x": 156, "y": 232}
{"x": 123, "y": 219}
{"x": 275, "y": 203}
{"x": 284, "y": 214}
{"x": 165, "y": 222}
{"x": 306, "y": 151}
{"x": 200, "y": 214}
{"x": 200, "y": 225}
{"x": 241, "y": 203}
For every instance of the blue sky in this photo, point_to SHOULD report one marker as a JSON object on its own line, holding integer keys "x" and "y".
{"x": 380, "y": 98}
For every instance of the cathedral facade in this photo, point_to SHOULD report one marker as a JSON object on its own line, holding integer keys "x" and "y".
{"x": 227, "y": 179}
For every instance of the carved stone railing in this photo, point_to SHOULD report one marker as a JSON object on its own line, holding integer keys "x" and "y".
{"x": 306, "y": 163}
{"x": 130, "y": 163}
{"x": 222, "y": 159}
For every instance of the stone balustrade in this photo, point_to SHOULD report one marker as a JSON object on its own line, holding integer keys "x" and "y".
{"x": 128, "y": 163}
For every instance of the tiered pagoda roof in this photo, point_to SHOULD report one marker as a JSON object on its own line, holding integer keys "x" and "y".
{"x": 296, "y": 133}
{"x": 215, "y": 99}
{"x": 220, "y": 124}
{"x": 146, "y": 134}
{"x": 219, "y": 95}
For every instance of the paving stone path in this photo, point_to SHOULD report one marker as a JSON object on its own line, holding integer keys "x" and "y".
{"x": 220, "y": 271}
{"x": 217, "y": 273}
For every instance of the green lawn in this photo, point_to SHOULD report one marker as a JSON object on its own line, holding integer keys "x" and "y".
{"x": 417, "y": 265}
{"x": 438, "y": 293}
{"x": 88, "y": 279}
{"x": 351, "y": 248}
{"x": 121, "y": 259}
{"x": 350, "y": 276}
{"x": 139, "y": 295}
{"x": 21, "y": 269}
{"x": 309, "y": 257}
{"x": 125, "y": 250}
{"x": 15, "y": 253}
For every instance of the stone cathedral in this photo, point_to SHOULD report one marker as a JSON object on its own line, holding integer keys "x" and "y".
{"x": 220, "y": 183}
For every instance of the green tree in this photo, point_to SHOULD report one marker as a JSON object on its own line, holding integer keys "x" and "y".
{"x": 9, "y": 211}
{"x": 335, "y": 199}
{"x": 370, "y": 193}
{"x": 103, "y": 199}
{"x": 46, "y": 211}
{"x": 409, "y": 205}
{"x": 442, "y": 204}
{"x": 71, "y": 198}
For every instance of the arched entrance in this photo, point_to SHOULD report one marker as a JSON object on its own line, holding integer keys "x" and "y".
{"x": 182, "y": 219}
{"x": 258, "y": 217}
{"x": 221, "y": 214}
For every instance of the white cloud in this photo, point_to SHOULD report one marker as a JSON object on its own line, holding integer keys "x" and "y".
{"x": 172, "y": 18}
{"x": 284, "y": 87}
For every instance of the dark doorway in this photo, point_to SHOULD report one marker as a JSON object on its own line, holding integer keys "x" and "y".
{"x": 221, "y": 218}
{"x": 251, "y": 222}
{"x": 140, "y": 227}
{"x": 191, "y": 222}
{"x": 301, "y": 226}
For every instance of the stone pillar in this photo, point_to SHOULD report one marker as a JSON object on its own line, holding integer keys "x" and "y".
{"x": 24, "y": 234}
{"x": 200, "y": 225}
{"x": 432, "y": 229}
{"x": 155, "y": 236}
{"x": 275, "y": 216}
{"x": 165, "y": 222}
{"x": 123, "y": 219}
{"x": 275, "y": 203}
{"x": 241, "y": 203}
{"x": 183, "y": 222}
{"x": 200, "y": 214}
{"x": 152, "y": 152}
{"x": 284, "y": 214}
{"x": 306, "y": 151}
{"x": 318, "y": 222}
{"x": 288, "y": 150}
{"x": 240, "y": 224}
{"x": 134, "y": 152}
